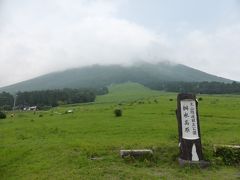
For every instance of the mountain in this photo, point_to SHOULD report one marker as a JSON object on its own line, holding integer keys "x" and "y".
{"x": 97, "y": 76}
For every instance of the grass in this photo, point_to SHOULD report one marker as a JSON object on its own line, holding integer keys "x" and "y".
{"x": 85, "y": 144}
{"x": 127, "y": 92}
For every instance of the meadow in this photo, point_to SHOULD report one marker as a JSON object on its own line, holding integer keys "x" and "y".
{"x": 85, "y": 144}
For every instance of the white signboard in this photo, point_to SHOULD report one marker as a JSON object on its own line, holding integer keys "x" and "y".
{"x": 189, "y": 119}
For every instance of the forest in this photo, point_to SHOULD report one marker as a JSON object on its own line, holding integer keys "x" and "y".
{"x": 197, "y": 87}
{"x": 50, "y": 98}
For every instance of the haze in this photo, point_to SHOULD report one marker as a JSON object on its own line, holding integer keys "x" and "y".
{"x": 38, "y": 37}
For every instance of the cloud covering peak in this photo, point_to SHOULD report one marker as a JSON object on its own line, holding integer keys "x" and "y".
{"x": 37, "y": 37}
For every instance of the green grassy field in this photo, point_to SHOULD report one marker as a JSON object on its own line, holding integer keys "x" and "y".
{"x": 85, "y": 144}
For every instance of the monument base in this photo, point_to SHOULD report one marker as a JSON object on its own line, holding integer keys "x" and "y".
{"x": 201, "y": 164}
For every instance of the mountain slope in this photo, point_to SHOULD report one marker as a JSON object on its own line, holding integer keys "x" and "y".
{"x": 98, "y": 76}
{"x": 127, "y": 92}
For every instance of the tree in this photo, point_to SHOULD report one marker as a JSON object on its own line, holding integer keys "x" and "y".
{"x": 6, "y": 101}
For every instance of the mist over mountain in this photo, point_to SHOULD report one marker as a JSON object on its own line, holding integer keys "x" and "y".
{"x": 97, "y": 76}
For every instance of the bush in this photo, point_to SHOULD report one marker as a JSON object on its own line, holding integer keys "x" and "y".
{"x": 118, "y": 112}
{"x": 230, "y": 156}
{"x": 200, "y": 99}
{"x": 2, "y": 115}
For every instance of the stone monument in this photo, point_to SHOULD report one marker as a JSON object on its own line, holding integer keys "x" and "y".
{"x": 189, "y": 131}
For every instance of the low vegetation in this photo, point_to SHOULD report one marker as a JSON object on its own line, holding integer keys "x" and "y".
{"x": 85, "y": 144}
{"x": 2, "y": 115}
{"x": 230, "y": 155}
{"x": 118, "y": 112}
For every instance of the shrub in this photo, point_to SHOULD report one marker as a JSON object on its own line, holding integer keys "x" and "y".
{"x": 200, "y": 99}
{"x": 2, "y": 115}
{"x": 118, "y": 112}
{"x": 229, "y": 155}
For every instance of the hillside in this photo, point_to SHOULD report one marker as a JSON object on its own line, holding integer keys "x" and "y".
{"x": 126, "y": 92}
{"x": 85, "y": 144}
{"x": 98, "y": 76}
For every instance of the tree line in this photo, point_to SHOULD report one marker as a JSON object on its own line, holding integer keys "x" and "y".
{"x": 6, "y": 101}
{"x": 70, "y": 96}
{"x": 50, "y": 98}
{"x": 197, "y": 87}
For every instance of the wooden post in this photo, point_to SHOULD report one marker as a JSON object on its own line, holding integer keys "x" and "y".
{"x": 189, "y": 130}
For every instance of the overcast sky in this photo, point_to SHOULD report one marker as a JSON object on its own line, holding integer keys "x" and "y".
{"x": 38, "y": 37}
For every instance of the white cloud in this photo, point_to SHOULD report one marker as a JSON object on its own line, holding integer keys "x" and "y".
{"x": 36, "y": 40}
{"x": 44, "y": 36}
{"x": 216, "y": 52}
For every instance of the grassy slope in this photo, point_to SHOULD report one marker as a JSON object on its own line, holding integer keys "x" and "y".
{"x": 120, "y": 93}
{"x": 60, "y": 146}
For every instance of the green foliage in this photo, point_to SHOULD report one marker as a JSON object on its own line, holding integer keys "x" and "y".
{"x": 163, "y": 76}
{"x": 6, "y": 101}
{"x": 127, "y": 92}
{"x": 197, "y": 87}
{"x": 59, "y": 146}
{"x": 118, "y": 112}
{"x": 44, "y": 108}
{"x": 54, "y": 97}
{"x": 230, "y": 156}
{"x": 2, "y": 115}
{"x": 6, "y": 108}
{"x": 97, "y": 77}
{"x": 101, "y": 91}
{"x": 146, "y": 160}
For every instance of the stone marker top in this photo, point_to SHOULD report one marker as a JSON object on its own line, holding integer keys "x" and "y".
{"x": 135, "y": 152}
{"x": 189, "y": 119}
